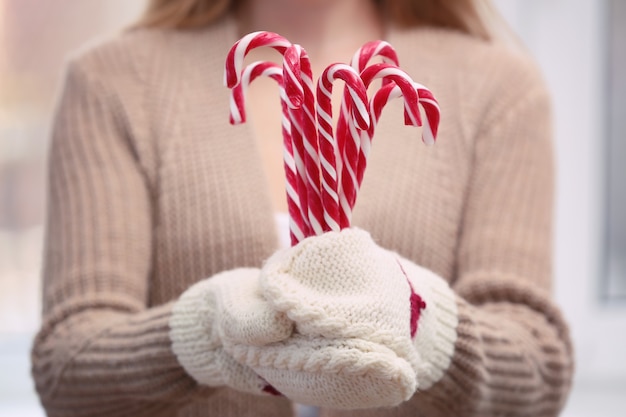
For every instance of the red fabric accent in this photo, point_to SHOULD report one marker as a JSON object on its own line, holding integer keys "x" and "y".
{"x": 268, "y": 389}
{"x": 416, "y": 303}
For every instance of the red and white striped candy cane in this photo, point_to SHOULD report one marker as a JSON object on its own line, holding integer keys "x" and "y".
{"x": 426, "y": 100}
{"x": 381, "y": 98}
{"x": 232, "y": 77}
{"x": 389, "y": 73}
{"x": 365, "y": 53}
{"x": 321, "y": 191}
{"x": 411, "y": 109}
{"x": 250, "y": 73}
{"x": 241, "y": 48}
{"x": 433, "y": 114}
{"x": 298, "y": 76}
{"x": 355, "y": 89}
{"x": 348, "y": 137}
{"x": 237, "y": 115}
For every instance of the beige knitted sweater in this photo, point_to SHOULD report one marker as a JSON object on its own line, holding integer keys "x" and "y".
{"x": 152, "y": 190}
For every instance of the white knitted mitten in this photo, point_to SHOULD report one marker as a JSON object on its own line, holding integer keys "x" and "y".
{"x": 231, "y": 298}
{"x": 370, "y": 327}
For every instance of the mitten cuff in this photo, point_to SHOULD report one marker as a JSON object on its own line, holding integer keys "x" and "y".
{"x": 197, "y": 337}
{"x": 192, "y": 334}
{"x": 436, "y": 332}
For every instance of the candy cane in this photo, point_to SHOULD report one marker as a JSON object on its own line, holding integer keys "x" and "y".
{"x": 321, "y": 189}
{"x": 370, "y": 50}
{"x": 403, "y": 80}
{"x": 232, "y": 75}
{"x": 392, "y": 91}
{"x": 353, "y": 178}
{"x": 426, "y": 99}
{"x": 237, "y": 111}
{"x": 360, "y": 117}
{"x": 250, "y": 73}
{"x": 359, "y": 62}
{"x": 348, "y": 137}
{"x": 299, "y": 83}
{"x": 237, "y": 53}
{"x": 411, "y": 109}
{"x": 433, "y": 114}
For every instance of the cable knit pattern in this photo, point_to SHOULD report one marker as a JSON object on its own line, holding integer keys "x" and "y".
{"x": 350, "y": 324}
{"x": 151, "y": 190}
{"x": 354, "y": 344}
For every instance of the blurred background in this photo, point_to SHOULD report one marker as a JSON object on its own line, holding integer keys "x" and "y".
{"x": 581, "y": 48}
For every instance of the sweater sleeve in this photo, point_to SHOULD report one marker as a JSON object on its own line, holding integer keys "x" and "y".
{"x": 512, "y": 354}
{"x": 100, "y": 349}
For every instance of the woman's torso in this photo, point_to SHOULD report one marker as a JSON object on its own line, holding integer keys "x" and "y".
{"x": 211, "y": 200}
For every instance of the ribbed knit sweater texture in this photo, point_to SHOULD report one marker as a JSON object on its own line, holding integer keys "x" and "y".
{"x": 151, "y": 190}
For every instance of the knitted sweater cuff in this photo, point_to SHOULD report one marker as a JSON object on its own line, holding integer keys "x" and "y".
{"x": 437, "y": 327}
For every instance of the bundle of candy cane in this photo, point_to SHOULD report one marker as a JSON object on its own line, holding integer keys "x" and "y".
{"x": 324, "y": 172}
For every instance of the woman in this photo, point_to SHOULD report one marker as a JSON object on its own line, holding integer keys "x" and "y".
{"x": 152, "y": 191}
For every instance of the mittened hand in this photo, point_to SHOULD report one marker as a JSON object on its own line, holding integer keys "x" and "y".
{"x": 230, "y": 301}
{"x": 358, "y": 312}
